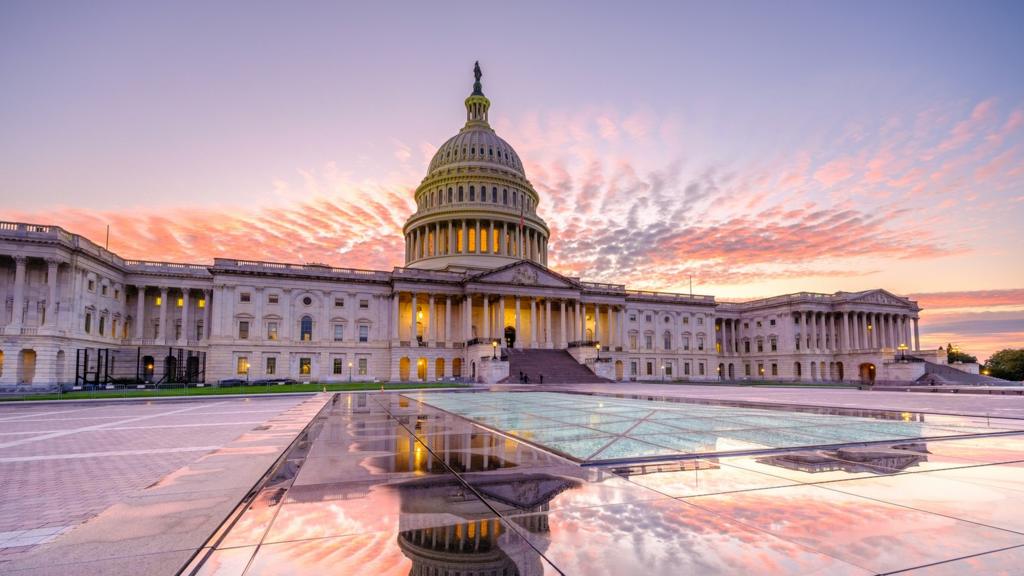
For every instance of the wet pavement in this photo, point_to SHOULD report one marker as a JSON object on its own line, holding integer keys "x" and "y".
{"x": 385, "y": 484}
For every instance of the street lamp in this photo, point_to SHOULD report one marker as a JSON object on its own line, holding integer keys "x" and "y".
{"x": 494, "y": 349}
{"x": 349, "y": 371}
{"x": 903, "y": 352}
{"x": 662, "y": 372}
{"x": 598, "y": 347}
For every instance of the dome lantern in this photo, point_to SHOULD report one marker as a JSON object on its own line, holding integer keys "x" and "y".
{"x": 477, "y": 104}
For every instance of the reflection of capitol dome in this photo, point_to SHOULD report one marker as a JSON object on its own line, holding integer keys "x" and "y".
{"x": 475, "y": 208}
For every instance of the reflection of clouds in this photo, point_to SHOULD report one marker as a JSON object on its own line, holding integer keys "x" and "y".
{"x": 670, "y": 537}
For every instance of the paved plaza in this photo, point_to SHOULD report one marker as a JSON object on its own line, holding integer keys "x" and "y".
{"x": 63, "y": 463}
{"x": 424, "y": 482}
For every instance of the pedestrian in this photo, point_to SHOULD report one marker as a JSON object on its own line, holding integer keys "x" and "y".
{"x": 541, "y": 376}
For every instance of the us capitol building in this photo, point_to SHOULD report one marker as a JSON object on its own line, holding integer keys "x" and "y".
{"x": 475, "y": 288}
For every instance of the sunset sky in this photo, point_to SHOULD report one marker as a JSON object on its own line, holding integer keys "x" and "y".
{"x": 762, "y": 147}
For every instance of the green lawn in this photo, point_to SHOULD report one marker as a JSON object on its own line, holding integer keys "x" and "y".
{"x": 227, "y": 390}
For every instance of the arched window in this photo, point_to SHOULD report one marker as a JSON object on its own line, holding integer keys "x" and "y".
{"x": 472, "y": 193}
{"x": 494, "y": 195}
{"x": 460, "y": 194}
{"x": 306, "y": 328}
{"x": 504, "y": 196}
{"x": 449, "y": 195}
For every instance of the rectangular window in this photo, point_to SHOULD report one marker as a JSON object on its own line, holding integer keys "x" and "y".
{"x": 648, "y": 341}
{"x": 339, "y": 332}
{"x": 686, "y": 343}
{"x": 271, "y": 365}
{"x": 700, "y": 343}
{"x": 686, "y": 369}
{"x": 700, "y": 368}
{"x": 632, "y": 368}
{"x": 686, "y": 320}
{"x": 647, "y": 317}
{"x": 775, "y": 344}
{"x": 339, "y": 302}
{"x": 88, "y": 322}
{"x": 650, "y": 368}
{"x": 305, "y": 366}
{"x": 746, "y": 369}
{"x": 746, "y": 348}
{"x": 632, "y": 317}
{"x": 242, "y": 365}
{"x": 199, "y": 330}
{"x": 632, "y": 341}
{"x": 364, "y": 304}
{"x": 117, "y": 293}
{"x": 362, "y": 366}
{"x": 771, "y": 322}
{"x": 272, "y": 299}
{"x": 760, "y": 346}
{"x": 758, "y": 323}
{"x": 103, "y": 290}
{"x": 271, "y": 330}
{"x": 668, "y": 369}
{"x": 243, "y": 330}
{"x": 177, "y": 329}
{"x": 364, "y": 333}
{"x": 700, "y": 321}
{"x": 245, "y": 297}
{"x": 760, "y": 369}
{"x": 103, "y": 324}
{"x": 775, "y": 369}
{"x": 92, "y": 285}
{"x": 338, "y": 366}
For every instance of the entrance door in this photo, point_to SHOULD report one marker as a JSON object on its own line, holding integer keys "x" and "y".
{"x": 510, "y": 337}
{"x": 170, "y": 369}
{"x": 867, "y": 373}
{"x": 147, "y": 368}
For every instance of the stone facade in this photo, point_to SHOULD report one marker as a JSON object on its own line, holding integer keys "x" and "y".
{"x": 476, "y": 272}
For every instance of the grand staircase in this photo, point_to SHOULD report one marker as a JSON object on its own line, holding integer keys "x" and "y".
{"x": 556, "y": 366}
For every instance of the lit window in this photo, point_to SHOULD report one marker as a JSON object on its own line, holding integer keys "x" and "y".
{"x": 306, "y": 329}
{"x": 159, "y": 301}
{"x": 242, "y": 365}
{"x": 181, "y": 302}
{"x": 271, "y": 330}
{"x": 201, "y": 303}
{"x": 305, "y": 366}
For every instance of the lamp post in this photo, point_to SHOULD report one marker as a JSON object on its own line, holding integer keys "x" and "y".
{"x": 662, "y": 372}
{"x": 494, "y": 349}
{"x": 903, "y": 352}
{"x": 349, "y": 371}
{"x": 598, "y": 346}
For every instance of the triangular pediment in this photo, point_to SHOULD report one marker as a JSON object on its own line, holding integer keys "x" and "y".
{"x": 525, "y": 273}
{"x": 878, "y": 296}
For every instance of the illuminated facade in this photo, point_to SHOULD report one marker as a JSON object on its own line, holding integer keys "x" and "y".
{"x": 475, "y": 274}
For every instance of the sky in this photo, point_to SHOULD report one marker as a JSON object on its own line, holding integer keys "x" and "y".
{"x": 761, "y": 148}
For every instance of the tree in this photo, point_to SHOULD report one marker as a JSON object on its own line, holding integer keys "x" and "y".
{"x": 954, "y": 354}
{"x": 1007, "y": 364}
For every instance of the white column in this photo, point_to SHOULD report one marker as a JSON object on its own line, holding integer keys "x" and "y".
{"x": 917, "y": 336}
{"x": 447, "y": 322}
{"x": 487, "y": 318}
{"x": 549, "y": 341}
{"x": 184, "y": 316}
{"x": 51, "y": 300}
{"x": 561, "y": 324}
{"x": 501, "y": 318}
{"x": 412, "y": 321}
{"x": 286, "y": 322}
{"x": 519, "y": 332}
{"x": 430, "y": 329}
{"x": 467, "y": 317}
{"x": 206, "y": 314}
{"x": 140, "y": 313}
{"x": 597, "y": 324}
{"x": 18, "y": 311}
{"x": 395, "y": 325}
{"x": 162, "y": 336}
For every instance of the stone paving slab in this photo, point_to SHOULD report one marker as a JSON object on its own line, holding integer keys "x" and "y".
{"x": 82, "y": 460}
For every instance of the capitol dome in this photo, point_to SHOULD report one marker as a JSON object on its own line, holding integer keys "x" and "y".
{"x": 475, "y": 207}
